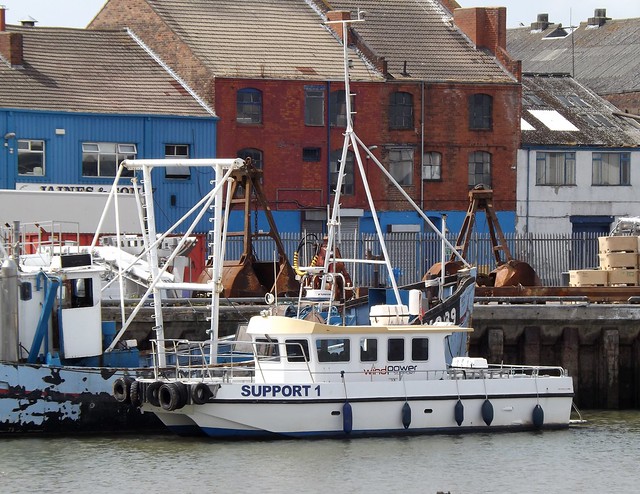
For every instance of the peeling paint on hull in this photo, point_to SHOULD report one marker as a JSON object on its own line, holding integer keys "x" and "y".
{"x": 70, "y": 400}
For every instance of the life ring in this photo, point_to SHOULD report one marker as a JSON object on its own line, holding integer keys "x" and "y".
{"x": 152, "y": 393}
{"x": 200, "y": 393}
{"x": 134, "y": 394}
{"x": 121, "y": 389}
{"x": 172, "y": 396}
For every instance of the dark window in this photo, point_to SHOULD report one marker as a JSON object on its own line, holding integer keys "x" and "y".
{"x": 401, "y": 165}
{"x": 267, "y": 348}
{"x": 254, "y": 154}
{"x": 31, "y": 157}
{"x": 480, "y": 112}
{"x": 311, "y": 154}
{"x": 314, "y": 105}
{"x": 101, "y": 159}
{"x": 338, "y": 109}
{"x": 368, "y": 349}
{"x": 77, "y": 293}
{"x": 420, "y": 349}
{"x": 177, "y": 151}
{"x": 401, "y": 110}
{"x": 348, "y": 181}
{"x": 395, "y": 349}
{"x": 249, "y": 106}
{"x": 333, "y": 349}
{"x": 479, "y": 168}
{"x": 297, "y": 350}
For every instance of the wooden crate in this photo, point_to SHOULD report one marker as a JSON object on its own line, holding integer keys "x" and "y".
{"x": 622, "y": 277}
{"x": 617, "y": 244}
{"x": 587, "y": 277}
{"x": 614, "y": 260}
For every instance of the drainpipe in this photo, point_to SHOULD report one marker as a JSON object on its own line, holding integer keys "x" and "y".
{"x": 526, "y": 223}
{"x": 421, "y": 144}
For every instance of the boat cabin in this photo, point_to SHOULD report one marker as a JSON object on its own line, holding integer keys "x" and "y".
{"x": 289, "y": 349}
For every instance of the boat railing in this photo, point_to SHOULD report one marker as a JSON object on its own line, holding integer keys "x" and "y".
{"x": 496, "y": 371}
{"x": 43, "y": 236}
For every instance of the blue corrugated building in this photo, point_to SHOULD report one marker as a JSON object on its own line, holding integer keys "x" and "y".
{"x": 74, "y": 103}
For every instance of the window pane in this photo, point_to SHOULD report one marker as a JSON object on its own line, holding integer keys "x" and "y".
{"x": 401, "y": 165}
{"x": 314, "y": 105}
{"x": 610, "y": 169}
{"x": 401, "y": 111}
{"x": 368, "y": 349}
{"x": 177, "y": 151}
{"x": 249, "y": 106}
{"x": 31, "y": 157}
{"x": 102, "y": 159}
{"x": 420, "y": 349}
{"x": 297, "y": 350}
{"x": 555, "y": 168}
{"x": 333, "y": 349}
{"x": 480, "y": 112}
{"x": 395, "y": 350}
{"x": 479, "y": 168}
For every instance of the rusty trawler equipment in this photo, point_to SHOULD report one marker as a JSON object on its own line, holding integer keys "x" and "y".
{"x": 508, "y": 271}
{"x": 248, "y": 276}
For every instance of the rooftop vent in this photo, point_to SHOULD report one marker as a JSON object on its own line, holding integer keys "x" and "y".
{"x": 599, "y": 18}
{"x": 541, "y": 24}
{"x": 28, "y": 22}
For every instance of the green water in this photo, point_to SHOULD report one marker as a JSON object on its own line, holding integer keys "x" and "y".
{"x": 600, "y": 456}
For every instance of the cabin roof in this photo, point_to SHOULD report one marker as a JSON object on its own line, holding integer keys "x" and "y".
{"x": 276, "y": 325}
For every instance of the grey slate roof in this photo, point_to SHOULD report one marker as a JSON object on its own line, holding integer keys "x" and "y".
{"x": 90, "y": 71}
{"x": 599, "y": 123}
{"x": 422, "y": 33}
{"x": 276, "y": 39}
{"x": 607, "y": 58}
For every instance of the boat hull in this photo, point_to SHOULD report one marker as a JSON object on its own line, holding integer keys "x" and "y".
{"x": 321, "y": 410}
{"x": 66, "y": 400}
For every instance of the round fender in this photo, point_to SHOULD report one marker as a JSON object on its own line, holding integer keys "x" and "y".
{"x": 347, "y": 418}
{"x": 458, "y": 412}
{"x": 487, "y": 412}
{"x": 134, "y": 394}
{"x": 200, "y": 393}
{"x": 121, "y": 389}
{"x": 406, "y": 415}
{"x": 169, "y": 396}
{"x": 152, "y": 393}
{"x": 538, "y": 416}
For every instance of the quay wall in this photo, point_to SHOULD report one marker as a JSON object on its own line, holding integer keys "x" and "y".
{"x": 598, "y": 344}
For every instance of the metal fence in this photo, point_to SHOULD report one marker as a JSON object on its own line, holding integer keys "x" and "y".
{"x": 413, "y": 253}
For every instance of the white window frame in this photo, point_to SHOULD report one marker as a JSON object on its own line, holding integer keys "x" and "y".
{"x": 432, "y": 166}
{"x": 121, "y": 151}
{"x": 401, "y": 163}
{"x": 177, "y": 172}
{"x": 36, "y": 171}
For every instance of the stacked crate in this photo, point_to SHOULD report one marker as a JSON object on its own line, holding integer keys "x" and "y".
{"x": 619, "y": 258}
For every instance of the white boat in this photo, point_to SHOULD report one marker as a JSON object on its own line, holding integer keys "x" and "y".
{"x": 313, "y": 375}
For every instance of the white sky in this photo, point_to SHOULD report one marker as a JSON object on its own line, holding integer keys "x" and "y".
{"x": 78, "y": 13}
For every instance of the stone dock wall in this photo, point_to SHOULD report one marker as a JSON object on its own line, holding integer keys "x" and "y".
{"x": 597, "y": 343}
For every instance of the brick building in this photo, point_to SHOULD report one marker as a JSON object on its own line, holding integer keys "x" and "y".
{"x": 435, "y": 94}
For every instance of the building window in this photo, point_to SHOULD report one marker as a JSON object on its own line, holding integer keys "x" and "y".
{"x": 401, "y": 110}
{"x": 479, "y": 168}
{"x": 177, "y": 151}
{"x": 254, "y": 154}
{"x": 31, "y": 157}
{"x": 611, "y": 169}
{"x": 249, "y": 106}
{"x": 348, "y": 181}
{"x": 311, "y": 154}
{"x": 314, "y": 105}
{"x": 555, "y": 168}
{"x": 101, "y": 159}
{"x": 480, "y": 112}
{"x": 432, "y": 166}
{"x": 337, "y": 109}
{"x": 401, "y": 165}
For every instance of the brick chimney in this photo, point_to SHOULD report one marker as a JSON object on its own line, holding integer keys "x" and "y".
{"x": 487, "y": 29}
{"x": 10, "y": 43}
{"x": 340, "y": 15}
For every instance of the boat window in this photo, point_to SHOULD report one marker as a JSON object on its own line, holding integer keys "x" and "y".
{"x": 77, "y": 293}
{"x": 395, "y": 349}
{"x": 368, "y": 349}
{"x": 333, "y": 349}
{"x": 420, "y": 349}
{"x": 266, "y": 347}
{"x": 25, "y": 291}
{"x": 297, "y": 350}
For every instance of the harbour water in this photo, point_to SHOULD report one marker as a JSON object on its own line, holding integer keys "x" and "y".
{"x": 600, "y": 456}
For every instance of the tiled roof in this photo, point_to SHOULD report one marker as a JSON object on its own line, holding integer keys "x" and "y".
{"x": 422, "y": 34}
{"x": 90, "y": 71}
{"x": 278, "y": 39}
{"x": 559, "y": 101}
{"x": 606, "y": 58}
